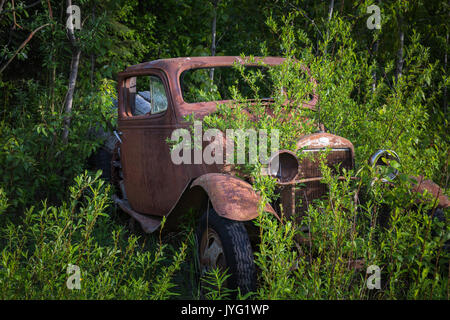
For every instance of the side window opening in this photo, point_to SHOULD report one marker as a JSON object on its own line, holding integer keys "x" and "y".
{"x": 146, "y": 95}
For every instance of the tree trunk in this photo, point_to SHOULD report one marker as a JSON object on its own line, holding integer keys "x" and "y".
{"x": 330, "y": 11}
{"x": 53, "y": 61}
{"x": 330, "y": 14}
{"x": 401, "y": 39}
{"x": 445, "y": 69}
{"x": 374, "y": 72}
{"x": 213, "y": 36}
{"x": 93, "y": 55}
{"x": 69, "y": 100}
{"x": 375, "y": 55}
{"x": 76, "y": 52}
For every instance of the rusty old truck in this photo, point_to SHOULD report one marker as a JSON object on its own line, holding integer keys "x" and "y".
{"x": 154, "y": 99}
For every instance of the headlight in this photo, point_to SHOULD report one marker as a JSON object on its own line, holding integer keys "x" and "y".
{"x": 284, "y": 166}
{"x": 376, "y": 160}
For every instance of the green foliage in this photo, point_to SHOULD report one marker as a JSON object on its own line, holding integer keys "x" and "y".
{"x": 276, "y": 258}
{"x": 31, "y": 144}
{"x": 36, "y": 252}
{"x": 213, "y": 283}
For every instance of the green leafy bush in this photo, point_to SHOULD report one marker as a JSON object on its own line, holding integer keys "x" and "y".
{"x": 36, "y": 252}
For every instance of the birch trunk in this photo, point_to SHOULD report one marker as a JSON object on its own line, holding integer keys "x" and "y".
{"x": 375, "y": 55}
{"x": 76, "y": 52}
{"x": 213, "y": 36}
{"x": 401, "y": 39}
{"x": 374, "y": 72}
{"x": 92, "y": 55}
{"x": 445, "y": 69}
{"x": 330, "y": 11}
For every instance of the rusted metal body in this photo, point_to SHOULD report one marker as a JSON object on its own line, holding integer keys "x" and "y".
{"x": 242, "y": 201}
{"x": 433, "y": 189}
{"x": 299, "y": 192}
{"x": 152, "y": 186}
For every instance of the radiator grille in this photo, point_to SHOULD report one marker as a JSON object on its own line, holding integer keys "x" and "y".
{"x": 310, "y": 165}
{"x": 296, "y": 198}
{"x": 304, "y": 195}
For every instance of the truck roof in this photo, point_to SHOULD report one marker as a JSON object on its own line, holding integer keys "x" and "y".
{"x": 184, "y": 63}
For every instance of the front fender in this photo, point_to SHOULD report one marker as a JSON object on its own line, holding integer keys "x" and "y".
{"x": 231, "y": 197}
{"x": 438, "y": 194}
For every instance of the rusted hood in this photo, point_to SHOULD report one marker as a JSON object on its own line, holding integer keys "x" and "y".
{"x": 322, "y": 140}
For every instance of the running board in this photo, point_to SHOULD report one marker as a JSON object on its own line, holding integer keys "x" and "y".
{"x": 148, "y": 224}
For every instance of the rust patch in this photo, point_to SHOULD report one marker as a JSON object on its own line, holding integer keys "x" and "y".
{"x": 323, "y": 140}
{"x": 433, "y": 189}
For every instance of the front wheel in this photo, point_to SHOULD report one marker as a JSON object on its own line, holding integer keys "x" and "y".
{"x": 224, "y": 244}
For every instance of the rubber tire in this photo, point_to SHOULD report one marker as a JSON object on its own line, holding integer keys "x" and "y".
{"x": 237, "y": 249}
{"x": 102, "y": 161}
